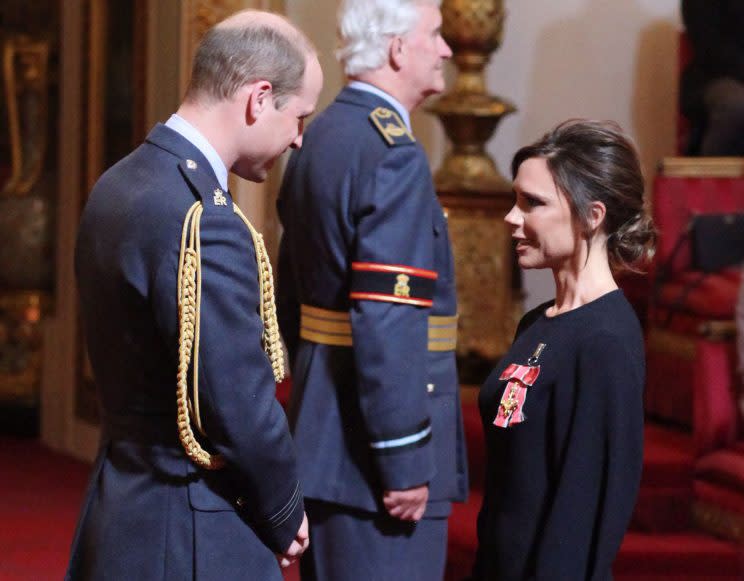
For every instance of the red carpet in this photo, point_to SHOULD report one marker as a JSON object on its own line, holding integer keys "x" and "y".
{"x": 40, "y": 493}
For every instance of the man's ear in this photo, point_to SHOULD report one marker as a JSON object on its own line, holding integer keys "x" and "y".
{"x": 259, "y": 98}
{"x": 397, "y": 51}
{"x": 597, "y": 213}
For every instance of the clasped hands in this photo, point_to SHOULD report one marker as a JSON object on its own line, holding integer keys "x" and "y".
{"x": 408, "y": 504}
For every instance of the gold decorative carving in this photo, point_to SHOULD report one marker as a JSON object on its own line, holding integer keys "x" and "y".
{"x": 25, "y": 255}
{"x": 482, "y": 247}
{"x": 473, "y": 28}
{"x": 198, "y": 17}
{"x": 21, "y": 346}
{"x": 25, "y": 73}
{"x": 717, "y": 521}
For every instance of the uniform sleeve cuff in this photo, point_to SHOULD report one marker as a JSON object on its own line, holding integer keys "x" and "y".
{"x": 406, "y": 468}
{"x": 278, "y": 531}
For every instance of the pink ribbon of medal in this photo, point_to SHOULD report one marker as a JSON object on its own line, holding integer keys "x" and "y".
{"x": 512, "y": 401}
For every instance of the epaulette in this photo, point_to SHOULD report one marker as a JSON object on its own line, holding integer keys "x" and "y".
{"x": 202, "y": 184}
{"x": 391, "y": 127}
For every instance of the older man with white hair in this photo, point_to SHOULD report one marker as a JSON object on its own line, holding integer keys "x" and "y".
{"x": 367, "y": 307}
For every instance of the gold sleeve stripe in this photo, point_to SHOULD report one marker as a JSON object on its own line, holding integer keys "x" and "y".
{"x": 334, "y": 328}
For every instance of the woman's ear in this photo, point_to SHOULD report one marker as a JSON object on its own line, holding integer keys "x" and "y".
{"x": 597, "y": 213}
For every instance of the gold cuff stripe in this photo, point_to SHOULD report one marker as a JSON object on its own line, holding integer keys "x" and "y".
{"x": 319, "y": 313}
{"x": 325, "y": 338}
{"x": 334, "y": 328}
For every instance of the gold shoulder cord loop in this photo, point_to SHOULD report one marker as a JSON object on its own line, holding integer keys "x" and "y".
{"x": 189, "y": 300}
{"x": 271, "y": 341}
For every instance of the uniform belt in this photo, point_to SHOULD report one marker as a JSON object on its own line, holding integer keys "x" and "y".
{"x": 334, "y": 328}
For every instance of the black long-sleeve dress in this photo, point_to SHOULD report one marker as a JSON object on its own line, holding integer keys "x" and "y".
{"x": 561, "y": 485}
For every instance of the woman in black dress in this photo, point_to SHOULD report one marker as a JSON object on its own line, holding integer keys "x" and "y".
{"x": 562, "y": 412}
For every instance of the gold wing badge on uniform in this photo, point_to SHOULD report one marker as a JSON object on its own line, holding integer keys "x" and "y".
{"x": 189, "y": 300}
{"x": 391, "y": 126}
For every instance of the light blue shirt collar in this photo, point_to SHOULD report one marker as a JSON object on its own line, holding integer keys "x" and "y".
{"x": 188, "y": 131}
{"x": 399, "y": 108}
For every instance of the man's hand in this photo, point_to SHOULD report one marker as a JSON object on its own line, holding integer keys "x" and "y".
{"x": 407, "y": 504}
{"x": 298, "y": 546}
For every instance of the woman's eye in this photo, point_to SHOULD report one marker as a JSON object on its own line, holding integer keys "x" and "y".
{"x": 532, "y": 202}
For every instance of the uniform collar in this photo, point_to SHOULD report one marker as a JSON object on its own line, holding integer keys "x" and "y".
{"x": 193, "y": 135}
{"x": 177, "y": 145}
{"x": 397, "y": 105}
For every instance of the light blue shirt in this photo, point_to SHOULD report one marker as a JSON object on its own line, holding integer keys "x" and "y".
{"x": 188, "y": 131}
{"x": 399, "y": 108}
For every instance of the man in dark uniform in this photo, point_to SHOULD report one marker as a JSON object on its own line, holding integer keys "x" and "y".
{"x": 368, "y": 311}
{"x": 178, "y": 312}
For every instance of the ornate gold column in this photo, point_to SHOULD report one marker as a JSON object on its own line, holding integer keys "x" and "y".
{"x": 475, "y": 195}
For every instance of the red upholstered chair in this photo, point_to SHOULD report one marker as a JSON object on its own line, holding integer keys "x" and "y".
{"x": 719, "y": 439}
{"x": 687, "y": 306}
{"x": 691, "y": 360}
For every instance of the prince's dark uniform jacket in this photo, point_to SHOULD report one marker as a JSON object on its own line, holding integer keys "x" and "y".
{"x": 364, "y": 262}
{"x": 149, "y": 512}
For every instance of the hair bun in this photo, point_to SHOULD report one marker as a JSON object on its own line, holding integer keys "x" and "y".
{"x": 633, "y": 244}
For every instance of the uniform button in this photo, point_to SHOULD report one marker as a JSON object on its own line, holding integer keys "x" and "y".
{"x": 240, "y": 502}
{"x": 430, "y": 387}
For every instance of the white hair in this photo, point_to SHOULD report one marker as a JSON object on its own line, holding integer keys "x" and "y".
{"x": 366, "y": 26}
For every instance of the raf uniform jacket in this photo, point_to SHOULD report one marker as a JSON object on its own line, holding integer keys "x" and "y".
{"x": 149, "y": 512}
{"x": 359, "y": 209}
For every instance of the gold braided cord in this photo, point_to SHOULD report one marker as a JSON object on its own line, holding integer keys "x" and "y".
{"x": 271, "y": 340}
{"x": 189, "y": 296}
{"x": 189, "y": 323}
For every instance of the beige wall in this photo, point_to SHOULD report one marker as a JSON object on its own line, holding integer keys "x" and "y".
{"x": 608, "y": 59}
{"x": 604, "y": 59}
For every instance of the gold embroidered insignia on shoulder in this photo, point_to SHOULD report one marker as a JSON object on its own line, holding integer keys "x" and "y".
{"x": 391, "y": 126}
{"x": 219, "y": 198}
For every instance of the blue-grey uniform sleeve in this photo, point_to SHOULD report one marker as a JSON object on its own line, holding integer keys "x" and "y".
{"x": 599, "y": 475}
{"x": 241, "y": 417}
{"x": 394, "y": 227}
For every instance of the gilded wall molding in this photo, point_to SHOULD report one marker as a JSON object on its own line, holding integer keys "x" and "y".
{"x": 702, "y": 167}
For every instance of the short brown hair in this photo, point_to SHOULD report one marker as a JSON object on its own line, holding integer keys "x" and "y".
{"x": 595, "y": 161}
{"x": 229, "y": 57}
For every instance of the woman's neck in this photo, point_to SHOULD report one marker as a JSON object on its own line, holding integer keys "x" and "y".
{"x": 582, "y": 281}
